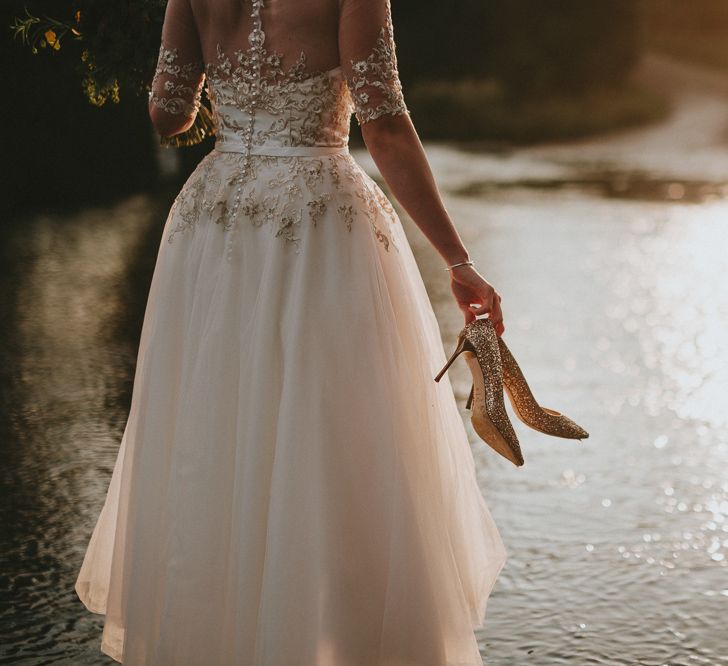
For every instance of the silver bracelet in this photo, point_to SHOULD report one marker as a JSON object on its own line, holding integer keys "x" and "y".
{"x": 462, "y": 263}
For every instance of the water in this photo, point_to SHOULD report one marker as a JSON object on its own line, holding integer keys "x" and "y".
{"x": 73, "y": 290}
{"x": 610, "y": 257}
{"x": 618, "y": 313}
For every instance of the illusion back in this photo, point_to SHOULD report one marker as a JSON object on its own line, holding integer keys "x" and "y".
{"x": 281, "y": 77}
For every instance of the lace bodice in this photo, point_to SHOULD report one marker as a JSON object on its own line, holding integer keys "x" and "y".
{"x": 280, "y": 108}
{"x": 256, "y": 101}
{"x": 282, "y": 130}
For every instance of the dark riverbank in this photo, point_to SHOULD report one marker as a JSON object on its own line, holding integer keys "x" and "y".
{"x": 481, "y": 111}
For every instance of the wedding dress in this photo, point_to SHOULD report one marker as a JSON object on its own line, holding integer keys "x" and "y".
{"x": 292, "y": 487}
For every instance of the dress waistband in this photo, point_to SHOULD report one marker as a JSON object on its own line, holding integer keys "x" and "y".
{"x": 280, "y": 151}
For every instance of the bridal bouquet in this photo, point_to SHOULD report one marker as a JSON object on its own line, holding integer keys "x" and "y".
{"x": 113, "y": 47}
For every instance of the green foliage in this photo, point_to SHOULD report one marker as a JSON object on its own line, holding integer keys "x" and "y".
{"x": 440, "y": 40}
{"x": 531, "y": 47}
{"x": 43, "y": 32}
{"x": 565, "y": 46}
{"x": 113, "y": 47}
{"x": 548, "y": 52}
{"x": 479, "y": 110}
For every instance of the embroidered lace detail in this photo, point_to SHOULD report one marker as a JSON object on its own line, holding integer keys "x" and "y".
{"x": 183, "y": 85}
{"x": 282, "y": 193}
{"x": 257, "y": 102}
{"x": 302, "y": 108}
{"x": 374, "y": 83}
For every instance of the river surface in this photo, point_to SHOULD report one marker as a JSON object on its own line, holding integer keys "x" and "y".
{"x": 611, "y": 257}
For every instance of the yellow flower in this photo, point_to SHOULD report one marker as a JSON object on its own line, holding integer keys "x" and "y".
{"x": 52, "y": 40}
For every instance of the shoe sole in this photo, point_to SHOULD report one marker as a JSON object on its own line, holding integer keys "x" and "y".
{"x": 482, "y": 423}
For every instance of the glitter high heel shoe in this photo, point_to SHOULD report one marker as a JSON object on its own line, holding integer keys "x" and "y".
{"x": 547, "y": 421}
{"x": 479, "y": 341}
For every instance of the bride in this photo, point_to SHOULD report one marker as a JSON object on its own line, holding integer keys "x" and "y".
{"x": 292, "y": 488}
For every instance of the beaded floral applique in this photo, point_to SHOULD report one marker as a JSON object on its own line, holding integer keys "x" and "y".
{"x": 257, "y": 102}
{"x": 374, "y": 83}
{"x": 315, "y": 114}
{"x": 183, "y": 87}
{"x": 282, "y": 193}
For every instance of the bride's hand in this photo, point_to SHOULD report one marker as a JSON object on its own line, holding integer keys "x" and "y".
{"x": 475, "y": 296}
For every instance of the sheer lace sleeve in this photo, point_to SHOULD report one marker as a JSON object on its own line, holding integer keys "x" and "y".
{"x": 178, "y": 79}
{"x": 368, "y": 59}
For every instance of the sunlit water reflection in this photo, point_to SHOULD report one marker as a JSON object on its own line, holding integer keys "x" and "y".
{"x": 617, "y": 310}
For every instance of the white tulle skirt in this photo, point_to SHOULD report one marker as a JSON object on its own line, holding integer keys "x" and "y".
{"x": 292, "y": 487}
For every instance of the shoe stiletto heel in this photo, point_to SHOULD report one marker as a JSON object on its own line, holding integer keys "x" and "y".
{"x": 459, "y": 349}
{"x": 547, "y": 421}
{"x": 479, "y": 341}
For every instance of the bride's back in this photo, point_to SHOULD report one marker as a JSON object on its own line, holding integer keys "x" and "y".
{"x": 306, "y": 64}
{"x": 291, "y": 27}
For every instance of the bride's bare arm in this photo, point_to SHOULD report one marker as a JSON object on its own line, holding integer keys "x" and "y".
{"x": 395, "y": 147}
{"x": 369, "y": 63}
{"x": 397, "y": 151}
